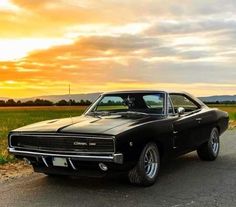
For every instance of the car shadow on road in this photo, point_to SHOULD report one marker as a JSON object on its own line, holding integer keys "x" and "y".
{"x": 184, "y": 166}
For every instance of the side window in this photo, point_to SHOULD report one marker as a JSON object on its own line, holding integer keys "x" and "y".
{"x": 180, "y": 100}
{"x": 170, "y": 107}
{"x": 155, "y": 102}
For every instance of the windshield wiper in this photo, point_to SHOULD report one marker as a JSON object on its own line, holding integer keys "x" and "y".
{"x": 100, "y": 113}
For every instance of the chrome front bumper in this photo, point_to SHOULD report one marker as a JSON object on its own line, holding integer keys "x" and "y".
{"x": 115, "y": 158}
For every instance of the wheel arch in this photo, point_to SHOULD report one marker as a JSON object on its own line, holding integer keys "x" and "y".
{"x": 160, "y": 145}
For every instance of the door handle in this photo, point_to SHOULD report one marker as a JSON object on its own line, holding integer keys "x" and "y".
{"x": 198, "y": 119}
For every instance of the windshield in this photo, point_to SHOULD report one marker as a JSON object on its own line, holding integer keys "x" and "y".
{"x": 128, "y": 102}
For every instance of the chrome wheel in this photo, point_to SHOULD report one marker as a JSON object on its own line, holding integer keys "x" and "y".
{"x": 209, "y": 150}
{"x": 214, "y": 142}
{"x": 150, "y": 162}
{"x": 146, "y": 171}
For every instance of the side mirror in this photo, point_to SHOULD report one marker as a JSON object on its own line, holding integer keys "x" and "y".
{"x": 180, "y": 111}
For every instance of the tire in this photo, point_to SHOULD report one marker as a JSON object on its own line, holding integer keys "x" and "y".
{"x": 209, "y": 151}
{"x": 146, "y": 171}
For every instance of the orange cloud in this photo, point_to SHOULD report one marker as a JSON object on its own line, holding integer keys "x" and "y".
{"x": 104, "y": 63}
{"x": 109, "y": 45}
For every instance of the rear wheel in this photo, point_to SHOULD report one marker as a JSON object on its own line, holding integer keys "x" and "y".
{"x": 146, "y": 171}
{"x": 210, "y": 150}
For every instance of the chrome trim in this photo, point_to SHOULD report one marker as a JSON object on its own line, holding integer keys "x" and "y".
{"x": 72, "y": 164}
{"x": 44, "y": 161}
{"x": 92, "y": 106}
{"x": 60, "y": 135}
{"x": 165, "y": 105}
{"x": 172, "y": 105}
{"x": 63, "y": 152}
{"x": 116, "y": 158}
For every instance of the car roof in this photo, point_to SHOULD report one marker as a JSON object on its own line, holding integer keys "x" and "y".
{"x": 196, "y": 100}
{"x": 142, "y": 91}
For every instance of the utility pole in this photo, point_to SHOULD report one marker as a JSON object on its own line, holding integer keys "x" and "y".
{"x": 70, "y": 102}
{"x": 69, "y": 96}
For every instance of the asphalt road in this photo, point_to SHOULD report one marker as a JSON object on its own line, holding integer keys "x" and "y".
{"x": 186, "y": 181}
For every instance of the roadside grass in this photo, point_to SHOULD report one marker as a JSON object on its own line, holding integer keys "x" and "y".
{"x": 231, "y": 109}
{"x": 15, "y": 117}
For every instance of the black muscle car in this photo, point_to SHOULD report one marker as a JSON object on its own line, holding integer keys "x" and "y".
{"x": 127, "y": 131}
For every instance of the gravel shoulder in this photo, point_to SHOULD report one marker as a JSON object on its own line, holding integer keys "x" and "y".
{"x": 14, "y": 170}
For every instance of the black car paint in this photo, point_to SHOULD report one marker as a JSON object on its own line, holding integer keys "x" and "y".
{"x": 173, "y": 134}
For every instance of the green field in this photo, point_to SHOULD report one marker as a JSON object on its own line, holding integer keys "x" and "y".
{"x": 12, "y": 118}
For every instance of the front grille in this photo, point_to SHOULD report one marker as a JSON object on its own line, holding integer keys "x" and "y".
{"x": 67, "y": 143}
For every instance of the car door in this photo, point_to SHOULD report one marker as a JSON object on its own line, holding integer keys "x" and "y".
{"x": 187, "y": 126}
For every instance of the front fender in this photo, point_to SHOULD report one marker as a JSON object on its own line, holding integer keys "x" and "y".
{"x": 132, "y": 142}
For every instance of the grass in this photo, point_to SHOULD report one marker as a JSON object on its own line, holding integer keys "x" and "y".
{"x": 14, "y": 117}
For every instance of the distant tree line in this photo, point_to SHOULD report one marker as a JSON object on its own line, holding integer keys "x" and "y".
{"x": 111, "y": 103}
{"x": 220, "y": 102}
{"x": 42, "y": 102}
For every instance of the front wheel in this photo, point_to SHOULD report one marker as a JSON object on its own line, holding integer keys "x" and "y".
{"x": 146, "y": 171}
{"x": 210, "y": 150}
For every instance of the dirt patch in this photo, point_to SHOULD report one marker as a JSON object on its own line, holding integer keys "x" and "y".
{"x": 14, "y": 170}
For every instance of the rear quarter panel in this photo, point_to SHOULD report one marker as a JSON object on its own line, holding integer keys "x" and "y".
{"x": 213, "y": 118}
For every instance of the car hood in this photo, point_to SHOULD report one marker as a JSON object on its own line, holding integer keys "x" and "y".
{"x": 87, "y": 124}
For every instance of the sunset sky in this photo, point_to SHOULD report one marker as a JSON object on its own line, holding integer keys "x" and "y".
{"x": 102, "y": 45}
